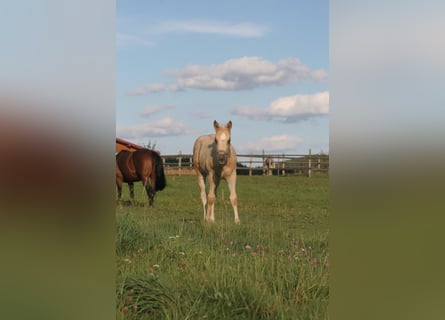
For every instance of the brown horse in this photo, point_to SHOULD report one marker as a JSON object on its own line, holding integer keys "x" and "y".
{"x": 215, "y": 157}
{"x": 141, "y": 165}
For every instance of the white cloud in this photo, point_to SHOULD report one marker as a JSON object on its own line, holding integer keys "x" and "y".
{"x": 289, "y": 109}
{"x": 150, "y": 110}
{"x": 201, "y": 114}
{"x": 124, "y": 40}
{"x": 277, "y": 143}
{"x": 250, "y": 112}
{"x": 243, "y": 29}
{"x": 300, "y": 105}
{"x": 237, "y": 74}
{"x": 153, "y": 88}
{"x": 167, "y": 126}
{"x": 138, "y": 34}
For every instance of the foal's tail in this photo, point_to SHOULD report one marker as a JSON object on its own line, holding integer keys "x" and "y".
{"x": 161, "y": 183}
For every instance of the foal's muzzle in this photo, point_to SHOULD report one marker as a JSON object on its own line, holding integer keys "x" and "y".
{"x": 221, "y": 156}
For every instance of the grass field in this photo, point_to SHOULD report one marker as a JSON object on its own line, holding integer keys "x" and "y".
{"x": 274, "y": 265}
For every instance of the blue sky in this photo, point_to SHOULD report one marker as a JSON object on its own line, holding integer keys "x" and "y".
{"x": 262, "y": 64}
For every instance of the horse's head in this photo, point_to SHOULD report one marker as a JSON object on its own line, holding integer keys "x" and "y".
{"x": 222, "y": 141}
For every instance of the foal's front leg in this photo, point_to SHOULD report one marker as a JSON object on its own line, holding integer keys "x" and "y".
{"x": 231, "y": 182}
{"x": 202, "y": 186}
{"x": 211, "y": 199}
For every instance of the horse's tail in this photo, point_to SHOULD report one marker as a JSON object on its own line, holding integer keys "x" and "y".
{"x": 161, "y": 183}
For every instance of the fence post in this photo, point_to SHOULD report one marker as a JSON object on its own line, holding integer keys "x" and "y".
{"x": 179, "y": 162}
{"x": 250, "y": 165}
{"x": 309, "y": 172}
{"x": 165, "y": 167}
{"x": 319, "y": 162}
{"x": 278, "y": 166}
{"x": 265, "y": 168}
{"x": 283, "y": 166}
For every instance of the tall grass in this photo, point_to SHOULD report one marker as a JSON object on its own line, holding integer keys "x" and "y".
{"x": 274, "y": 265}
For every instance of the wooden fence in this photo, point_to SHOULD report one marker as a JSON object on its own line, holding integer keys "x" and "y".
{"x": 257, "y": 164}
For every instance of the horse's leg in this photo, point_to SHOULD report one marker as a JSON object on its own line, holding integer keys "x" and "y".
{"x": 150, "y": 191}
{"x": 119, "y": 182}
{"x": 131, "y": 187}
{"x": 231, "y": 182}
{"x": 151, "y": 194}
{"x": 211, "y": 199}
{"x": 202, "y": 186}
{"x": 119, "y": 190}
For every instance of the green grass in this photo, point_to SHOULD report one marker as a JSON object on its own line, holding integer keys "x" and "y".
{"x": 274, "y": 265}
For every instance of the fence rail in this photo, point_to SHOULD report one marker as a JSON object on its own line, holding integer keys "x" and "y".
{"x": 257, "y": 164}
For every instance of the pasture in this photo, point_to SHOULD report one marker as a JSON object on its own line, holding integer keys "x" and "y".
{"x": 274, "y": 265}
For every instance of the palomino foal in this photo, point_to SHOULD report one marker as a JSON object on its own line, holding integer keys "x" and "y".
{"x": 215, "y": 157}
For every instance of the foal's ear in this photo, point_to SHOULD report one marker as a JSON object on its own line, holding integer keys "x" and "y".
{"x": 229, "y": 124}
{"x": 215, "y": 124}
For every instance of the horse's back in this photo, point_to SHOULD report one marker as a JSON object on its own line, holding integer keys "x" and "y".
{"x": 142, "y": 156}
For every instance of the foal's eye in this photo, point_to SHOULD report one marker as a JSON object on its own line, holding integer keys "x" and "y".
{"x": 228, "y": 141}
